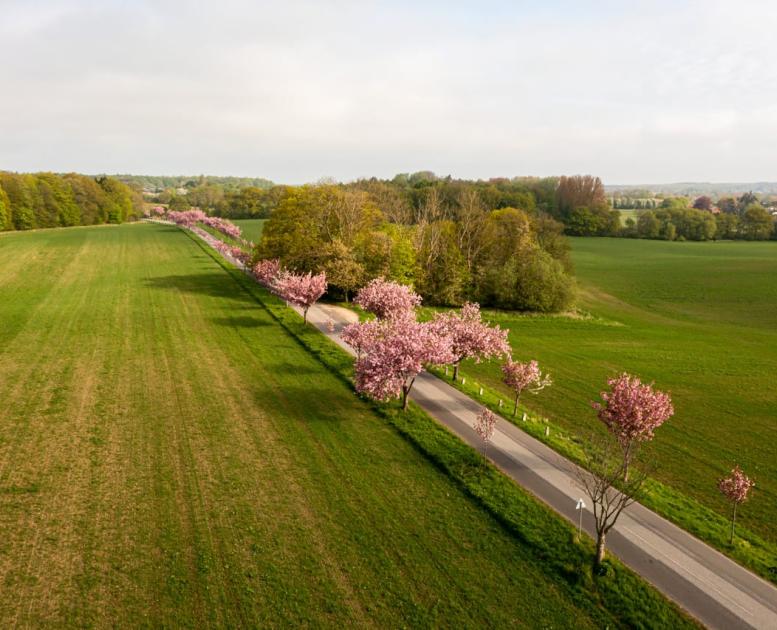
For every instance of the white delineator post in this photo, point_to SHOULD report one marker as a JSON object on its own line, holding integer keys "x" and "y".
{"x": 580, "y": 507}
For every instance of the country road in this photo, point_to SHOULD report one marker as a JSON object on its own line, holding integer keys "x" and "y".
{"x": 710, "y": 586}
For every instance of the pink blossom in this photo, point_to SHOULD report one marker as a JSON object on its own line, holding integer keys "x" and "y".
{"x": 266, "y": 271}
{"x": 361, "y": 335}
{"x": 396, "y": 355}
{"x": 187, "y": 218}
{"x": 302, "y": 290}
{"x": 470, "y": 336}
{"x": 522, "y": 377}
{"x": 224, "y": 226}
{"x": 387, "y": 299}
{"x": 633, "y": 410}
{"x": 485, "y": 423}
{"x": 736, "y": 486}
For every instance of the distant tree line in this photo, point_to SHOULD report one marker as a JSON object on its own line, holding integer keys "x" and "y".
{"x": 45, "y": 200}
{"x": 160, "y": 183}
{"x": 454, "y": 241}
{"x": 731, "y": 218}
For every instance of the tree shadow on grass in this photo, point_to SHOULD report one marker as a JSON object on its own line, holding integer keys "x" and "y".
{"x": 213, "y": 284}
{"x": 243, "y": 321}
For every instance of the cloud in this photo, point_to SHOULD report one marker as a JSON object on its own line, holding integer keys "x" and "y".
{"x": 648, "y": 91}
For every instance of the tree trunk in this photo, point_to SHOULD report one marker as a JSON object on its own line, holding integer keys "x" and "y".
{"x": 455, "y": 372}
{"x": 733, "y": 524}
{"x": 600, "y": 546}
{"x": 405, "y": 394}
{"x": 515, "y": 408}
{"x": 305, "y": 315}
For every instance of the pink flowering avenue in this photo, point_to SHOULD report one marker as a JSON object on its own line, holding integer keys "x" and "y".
{"x": 735, "y": 488}
{"x": 386, "y": 299}
{"x": 485, "y": 423}
{"x": 470, "y": 336}
{"x": 521, "y": 377}
{"x": 302, "y": 290}
{"x": 632, "y": 411}
{"x": 395, "y": 357}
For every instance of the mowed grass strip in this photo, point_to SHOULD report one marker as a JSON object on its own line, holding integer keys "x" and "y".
{"x": 169, "y": 456}
{"x": 699, "y": 319}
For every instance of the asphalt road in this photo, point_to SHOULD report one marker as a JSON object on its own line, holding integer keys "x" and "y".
{"x": 710, "y": 586}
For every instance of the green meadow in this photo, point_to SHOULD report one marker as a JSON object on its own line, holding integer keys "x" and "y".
{"x": 173, "y": 457}
{"x": 251, "y": 228}
{"x": 699, "y": 319}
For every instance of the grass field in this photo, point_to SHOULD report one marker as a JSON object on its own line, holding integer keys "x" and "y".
{"x": 251, "y": 228}
{"x": 172, "y": 457}
{"x": 698, "y": 318}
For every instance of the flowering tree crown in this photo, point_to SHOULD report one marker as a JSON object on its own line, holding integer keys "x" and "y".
{"x": 396, "y": 352}
{"x": 266, "y": 271}
{"x": 525, "y": 377}
{"x": 736, "y": 486}
{"x": 470, "y": 336}
{"x": 386, "y": 299}
{"x": 303, "y": 290}
{"x": 633, "y": 410}
{"x": 485, "y": 423}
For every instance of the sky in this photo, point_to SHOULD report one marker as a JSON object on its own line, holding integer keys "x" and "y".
{"x": 634, "y": 92}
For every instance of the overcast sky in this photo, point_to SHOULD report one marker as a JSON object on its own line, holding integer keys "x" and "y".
{"x": 636, "y": 92}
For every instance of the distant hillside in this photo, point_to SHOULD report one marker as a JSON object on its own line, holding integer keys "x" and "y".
{"x": 158, "y": 183}
{"x": 691, "y": 189}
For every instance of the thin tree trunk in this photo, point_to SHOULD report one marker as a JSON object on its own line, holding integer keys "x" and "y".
{"x": 455, "y": 372}
{"x": 733, "y": 524}
{"x": 405, "y": 394}
{"x": 600, "y": 547}
{"x": 305, "y": 315}
{"x": 515, "y": 408}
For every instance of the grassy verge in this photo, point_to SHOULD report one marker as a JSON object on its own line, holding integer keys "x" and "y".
{"x": 620, "y": 597}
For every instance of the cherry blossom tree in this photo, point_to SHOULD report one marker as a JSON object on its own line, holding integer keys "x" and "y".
{"x": 603, "y": 478}
{"x": 735, "y": 488}
{"x": 632, "y": 411}
{"x": 470, "y": 336}
{"x": 397, "y": 355}
{"x": 302, "y": 290}
{"x": 521, "y": 377}
{"x": 387, "y": 300}
{"x": 266, "y": 271}
{"x": 361, "y": 335}
{"x": 485, "y": 423}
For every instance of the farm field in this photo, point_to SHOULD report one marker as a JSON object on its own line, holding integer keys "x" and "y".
{"x": 171, "y": 457}
{"x": 700, "y": 319}
{"x": 251, "y": 228}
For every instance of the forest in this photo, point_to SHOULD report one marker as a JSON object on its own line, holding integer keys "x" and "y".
{"x": 45, "y": 200}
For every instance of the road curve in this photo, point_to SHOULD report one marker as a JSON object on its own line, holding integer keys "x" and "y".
{"x": 711, "y": 587}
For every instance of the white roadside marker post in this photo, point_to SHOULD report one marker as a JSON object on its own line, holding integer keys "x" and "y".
{"x": 481, "y": 391}
{"x": 580, "y": 507}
